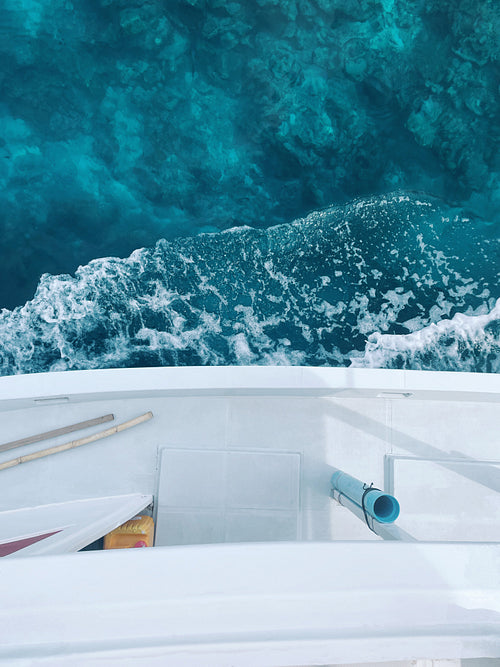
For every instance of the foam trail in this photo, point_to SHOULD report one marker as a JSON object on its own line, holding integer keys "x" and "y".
{"x": 466, "y": 343}
{"x": 310, "y": 292}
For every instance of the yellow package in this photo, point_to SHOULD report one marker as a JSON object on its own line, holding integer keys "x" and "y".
{"x": 136, "y": 532}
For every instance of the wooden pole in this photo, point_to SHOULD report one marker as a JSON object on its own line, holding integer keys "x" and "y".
{"x": 56, "y": 432}
{"x": 77, "y": 443}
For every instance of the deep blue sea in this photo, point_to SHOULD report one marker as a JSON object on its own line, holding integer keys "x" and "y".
{"x": 210, "y": 182}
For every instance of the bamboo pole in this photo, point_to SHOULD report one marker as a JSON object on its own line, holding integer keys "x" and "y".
{"x": 53, "y": 434}
{"x": 77, "y": 443}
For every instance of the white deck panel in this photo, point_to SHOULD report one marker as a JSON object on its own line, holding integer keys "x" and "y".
{"x": 252, "y": 605}
{"x": 447, "y": 499}
{"x": 227, "y": 496}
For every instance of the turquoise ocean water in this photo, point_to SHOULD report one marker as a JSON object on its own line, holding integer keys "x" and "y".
{"x": 249, "y": 182}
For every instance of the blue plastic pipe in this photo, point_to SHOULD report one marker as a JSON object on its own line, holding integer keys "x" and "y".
{"x": 379, "y": 505}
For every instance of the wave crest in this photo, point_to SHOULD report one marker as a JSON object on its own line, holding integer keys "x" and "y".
{"x": 464, "y": 343}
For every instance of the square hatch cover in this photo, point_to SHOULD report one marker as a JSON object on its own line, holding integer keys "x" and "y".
{"x": 227, "y": 496}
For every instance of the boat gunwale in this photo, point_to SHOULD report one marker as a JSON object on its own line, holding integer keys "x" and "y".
{"x": 20, "y": 391}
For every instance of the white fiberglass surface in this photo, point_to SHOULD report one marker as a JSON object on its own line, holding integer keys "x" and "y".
{"x": 253, "y": 605}
{"x": 227, "y": 496}
{"x": 447, "y": 499}
{"x": 303, "y": 436}
{"x": 63, "y": 527}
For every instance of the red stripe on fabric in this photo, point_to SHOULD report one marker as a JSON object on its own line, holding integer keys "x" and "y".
{"x": 11, "y": 547}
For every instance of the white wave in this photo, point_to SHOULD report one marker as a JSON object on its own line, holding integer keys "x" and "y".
{"x": 462, "y": 343}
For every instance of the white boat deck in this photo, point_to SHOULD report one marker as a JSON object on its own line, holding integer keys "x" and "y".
{"x": 246, "y": 454}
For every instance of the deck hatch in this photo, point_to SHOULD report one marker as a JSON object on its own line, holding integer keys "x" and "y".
{"x": 227, "y": 496}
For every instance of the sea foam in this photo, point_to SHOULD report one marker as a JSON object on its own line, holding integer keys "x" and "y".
{"x": 465, "y": 343}
{"x": 393, "y": 281}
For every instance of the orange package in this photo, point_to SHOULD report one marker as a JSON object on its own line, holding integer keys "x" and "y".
{"x": 137, "y": 532}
